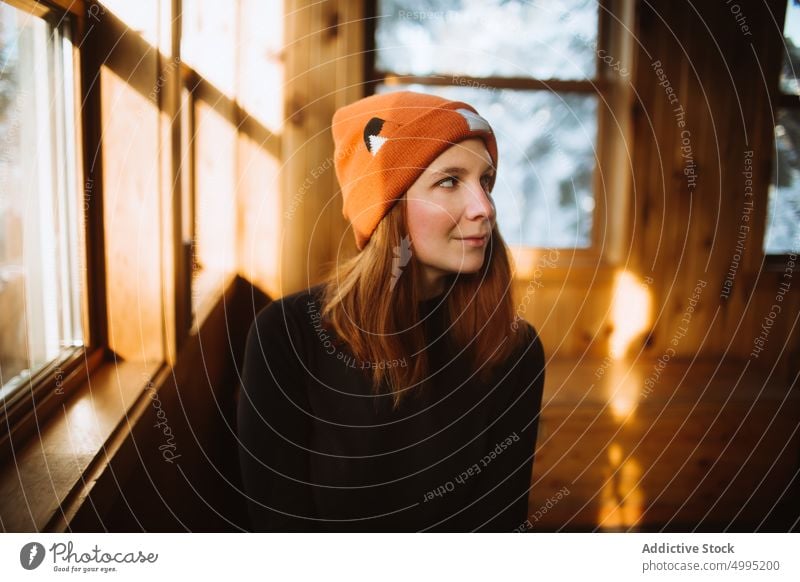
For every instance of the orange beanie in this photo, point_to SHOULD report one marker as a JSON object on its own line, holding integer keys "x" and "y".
{"x": 384, "y": 142}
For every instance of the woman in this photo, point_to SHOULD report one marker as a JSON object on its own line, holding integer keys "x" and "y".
{"x": 401, "y": 394}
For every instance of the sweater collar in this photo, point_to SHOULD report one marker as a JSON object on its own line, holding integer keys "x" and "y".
{"x": 433, "y": 303}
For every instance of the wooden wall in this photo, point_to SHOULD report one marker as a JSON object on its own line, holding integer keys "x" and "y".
{"x": 324, "y": 68}
{"x": 725, "y": 82}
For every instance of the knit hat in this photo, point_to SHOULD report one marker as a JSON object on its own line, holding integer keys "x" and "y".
{"x": 384, "y": 142}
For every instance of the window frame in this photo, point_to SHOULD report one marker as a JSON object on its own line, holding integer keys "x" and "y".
{"x": 24, "y": 411}
{"x": 608, "y": 93}
{"x": 776, "y": 262}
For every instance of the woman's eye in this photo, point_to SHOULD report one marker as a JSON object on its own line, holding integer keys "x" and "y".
{"x": 452, "y": 179}
{"x": 487, "y": 182}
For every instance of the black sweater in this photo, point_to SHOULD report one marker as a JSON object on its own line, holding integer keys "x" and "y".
{"x": 319, "y": 452}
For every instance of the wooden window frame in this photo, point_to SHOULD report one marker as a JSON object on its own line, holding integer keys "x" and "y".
{"x": 25, "y": 410}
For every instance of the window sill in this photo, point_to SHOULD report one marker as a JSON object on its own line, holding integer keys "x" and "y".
{"x": 777, "y": 263}
{"x": 47, "y": 477}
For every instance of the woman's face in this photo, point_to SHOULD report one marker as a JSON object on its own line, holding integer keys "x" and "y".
{"x": 451, "y": 213}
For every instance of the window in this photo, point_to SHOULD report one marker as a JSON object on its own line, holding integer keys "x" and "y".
{"x": 41, "y": 213}
{"x": 783, "y": 212}
{"x": 531, "y": 69}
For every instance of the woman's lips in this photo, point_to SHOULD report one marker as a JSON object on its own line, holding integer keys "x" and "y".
{"x": 474, "y": 241}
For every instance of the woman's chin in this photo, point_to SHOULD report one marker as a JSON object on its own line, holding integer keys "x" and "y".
{"x": 466, "y": 266}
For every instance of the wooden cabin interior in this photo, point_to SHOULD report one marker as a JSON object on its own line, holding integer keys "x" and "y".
{"x": 167, "y": 172}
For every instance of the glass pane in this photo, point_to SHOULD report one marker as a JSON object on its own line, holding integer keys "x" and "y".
{"x": 791, "y": 56}
{"x": 503, "y": 38}
{"x": 543, "y": 193}
{"x": 40, "y": 217}
{"x": 783, "y": 213}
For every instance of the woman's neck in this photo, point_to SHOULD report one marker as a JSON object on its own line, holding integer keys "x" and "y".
{"x": 432, "y": 283}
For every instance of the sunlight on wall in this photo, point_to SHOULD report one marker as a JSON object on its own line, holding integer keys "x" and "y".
{"x": 622, "y": 498}
{"x": 630, "y": 313}
{"x": 131, "y": 203}
{"x": 216, "y": 179}
{"x": 262, "y": 211}
{"x": 624, "y": 386}
{"x": 261, "y": 217}
{"x": 209, "y": 43}
{"x": 232, "y": 124}
{"x": 531, "y": 263}
{"x": 260, "y": 41}
{"x": 139, "y": 16}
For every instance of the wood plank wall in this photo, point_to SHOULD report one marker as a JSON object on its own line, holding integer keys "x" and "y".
{"x": 324, "y": 64}
{"x": 724, "y": 80}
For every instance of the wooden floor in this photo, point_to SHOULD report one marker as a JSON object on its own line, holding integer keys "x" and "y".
{"x": 710, "y": 447}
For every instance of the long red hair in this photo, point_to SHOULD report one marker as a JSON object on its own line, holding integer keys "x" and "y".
{"x": 375, "y": 316}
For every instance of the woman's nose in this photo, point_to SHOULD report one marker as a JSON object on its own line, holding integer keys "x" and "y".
{"x": 479, "y": 203}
